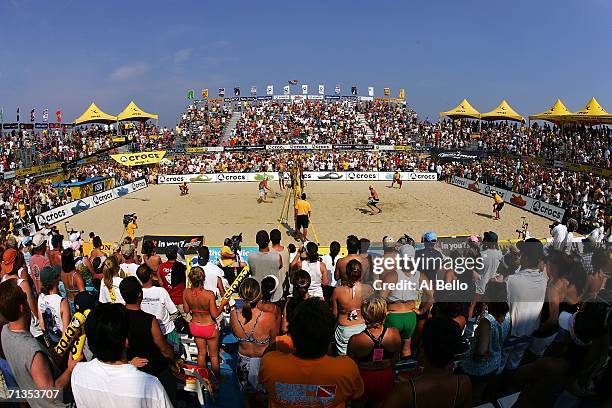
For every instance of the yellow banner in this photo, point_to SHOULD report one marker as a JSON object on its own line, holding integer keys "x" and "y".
{"x": 195, "y": 150}
{"x": 140, "y": 158}
{"x": 106, "y": 248}
{"x": 37, "y": 169}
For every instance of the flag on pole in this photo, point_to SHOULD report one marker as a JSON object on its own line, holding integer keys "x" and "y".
{"x": 58, "y": 115}
{"x": 337, "y": 90}
{"x": 370, "y": 91}
{"x": 33, "y": 115}
{"x": 236, "y": 91}
{"x": 286, "y": 89}
{"x": 305, "y": 89}
{"x": 253, "y": 90}
{"x": 293, "y": 82}
{"x": 270, "y": 90}
{"x": 386, "y": 91}
{"x": 2, "y": 115}
{"x": 402, "y": 93}
{"x": 18, "y": 114}
{"x": 353, "y": 90}
{"x": 221, "y": 92}
{"x": 204, "y": 93}
{"x": 45, "y": 115}
{"x": 321, "y": 89}
{"x": 190, "y": 94}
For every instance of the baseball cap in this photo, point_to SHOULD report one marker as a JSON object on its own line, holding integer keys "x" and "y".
{"x": 8, "y": 260}
{"x": 39, "y": 240}
{"x": 84, "y": 301}
{"x": 49, "y": 274}
{"x": 473, "y": 239}
{"x": 489, "y": 236}
{"x": 127, "y": 250}
{"x": 430, "y": 236}
{"x": 388, "y": 242}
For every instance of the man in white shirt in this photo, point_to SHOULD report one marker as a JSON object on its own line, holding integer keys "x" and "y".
{"x": 559, "y": 234}
{"x": 157, "y": 301}
{"x": 491, "y": 257}
{"x": 213, "y": 275}
{"x": 108, "y": 381}
{"x": 526, "y": 291}
{"x": 129, "y": 265}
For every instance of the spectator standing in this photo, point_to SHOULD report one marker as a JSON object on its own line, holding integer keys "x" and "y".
{"x": 72, "y": 280}
{"x": 526, "y": 292}
{"x": 289, "y": 378}
{"x": 38, "y": 260}
{"x": 213, "y": 275}
{"x": 431, "y": 258}
{"x": 172, "y": 275}
{"x": 309, "y": 261}
{"x": 128, "y": 265}
{"x": 109, "y": 288}
{"x": 109, "y": 381}
{"x": 283, "y": 272}
{"x": 491, "y": 257}
{"x": 151, "y": 259}
{"x": 54, "y": 312}
{"x": 30, "y": 363}
{"x": 264, "y": 262}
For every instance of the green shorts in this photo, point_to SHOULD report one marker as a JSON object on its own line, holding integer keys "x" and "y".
{"x": 404, "y": 322}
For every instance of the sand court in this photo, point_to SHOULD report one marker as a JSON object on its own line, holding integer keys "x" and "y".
{"x": 220, "y": 210}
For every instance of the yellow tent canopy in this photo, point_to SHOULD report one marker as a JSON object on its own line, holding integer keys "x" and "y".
{"x": 93, "y": 114}
{"x": 592, "y": 113}
{"x": 133, "y": 112}
{"x": 503, "y": 112}
{"x": 463, "y": 110}
{"x": 557, "y": 113}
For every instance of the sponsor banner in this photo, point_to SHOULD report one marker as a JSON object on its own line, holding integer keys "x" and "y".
{"x": 324, "y": 175}
{"x": 204, "y": 149}
{"x": 10, "y": 126}
{"x": 8, "y": 175}
{"x": 189, "y": 243}
{"x": 186, "y": 178}
{"x": 408, "y": 176}
{"x": 68, "y": 210}
{"x": 41, "y": 125}
{"x": 332, "y": 97}
{"x": 315, "y": 97}
{"x": 97, "y": 187}
{"x": 26, "y": 126}
{"x": 278, "y": 147}
{"x": 366, "y": 98}
{"x": 138, "y": 159}
{"x": 458, "y": 155}
{"x": 385, "y": 147}
{"x": 298, "y": 98}
{"x": 530, "y": 204}
{"x": 37, "y": 169}
{"x": 558, "y": 164}
{"x": 362, "y": 175}
{"x": 282, "y": 97}
{"x": 232, "y": 177}
{"x": 264, "y": 98}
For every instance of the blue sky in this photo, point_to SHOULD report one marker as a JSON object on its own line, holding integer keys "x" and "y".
{"x": 67, "y": 53}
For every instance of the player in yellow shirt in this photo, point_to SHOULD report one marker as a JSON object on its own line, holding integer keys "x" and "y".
{"x": 302, "y": 216}
{"x": 130, "y": 229}
{"x": 498, "y": 204}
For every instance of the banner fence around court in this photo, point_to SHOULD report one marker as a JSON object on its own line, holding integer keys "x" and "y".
{"x": 65, "y": 211}
{"x": 522, "y": 201}
{"x": 308, "y": 176}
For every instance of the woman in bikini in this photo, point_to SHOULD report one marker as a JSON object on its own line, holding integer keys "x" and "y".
{"x": 201, "y": 304}
{"x": 255, "y": 328}
{"x": 72, "y": 280}
{"x": 346, "y": 306}
{"x": 375, "y": 350}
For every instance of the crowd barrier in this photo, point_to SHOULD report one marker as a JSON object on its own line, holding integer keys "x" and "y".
{"x": 524, "y": 202}
{"x": 68, "y": 210}
{"x": 308, "y": 176}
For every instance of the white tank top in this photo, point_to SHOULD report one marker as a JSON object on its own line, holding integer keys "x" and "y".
{"x": 314, "y": 270}
{"x": 50, "y": 310}
{"x": 405, "y": 293}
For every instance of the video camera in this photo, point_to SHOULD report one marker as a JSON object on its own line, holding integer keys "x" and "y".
{"x": 127, "y": 218}
{"x": 236, "y": 241}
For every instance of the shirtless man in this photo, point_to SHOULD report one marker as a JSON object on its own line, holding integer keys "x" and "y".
{"x": 373, "y": 200}
{"x": 346, "y": 306}
{"x": 352, "y": 246}
{"x": 263, "y": 186}
{"x": 397, "y": 179}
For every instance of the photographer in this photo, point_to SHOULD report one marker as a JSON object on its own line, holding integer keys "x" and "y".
{"x": 130, "y": 227}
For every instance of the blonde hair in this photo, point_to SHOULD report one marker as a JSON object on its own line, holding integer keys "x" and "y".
{"x": 110, "y": 268}
{"x": 196, "y": 277}
{"x": 374, "y": 310}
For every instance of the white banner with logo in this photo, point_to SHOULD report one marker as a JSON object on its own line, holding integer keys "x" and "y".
{"x": 8, "y": 175}
{"x": 308, "y": 176}
{"x": 68, "y": 210}
{"x": 527, "y": 203}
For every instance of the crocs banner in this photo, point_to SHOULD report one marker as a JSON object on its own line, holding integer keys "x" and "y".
{"x": 140, "y": 158}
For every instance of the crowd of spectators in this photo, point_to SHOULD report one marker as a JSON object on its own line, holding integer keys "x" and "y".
{"x": 586, "y": 196}
{"x": 300, "y": 122}
{"x": 392, "y": 124}
{"x": 203, "y": 125}
{"x": 530, "y": 320}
